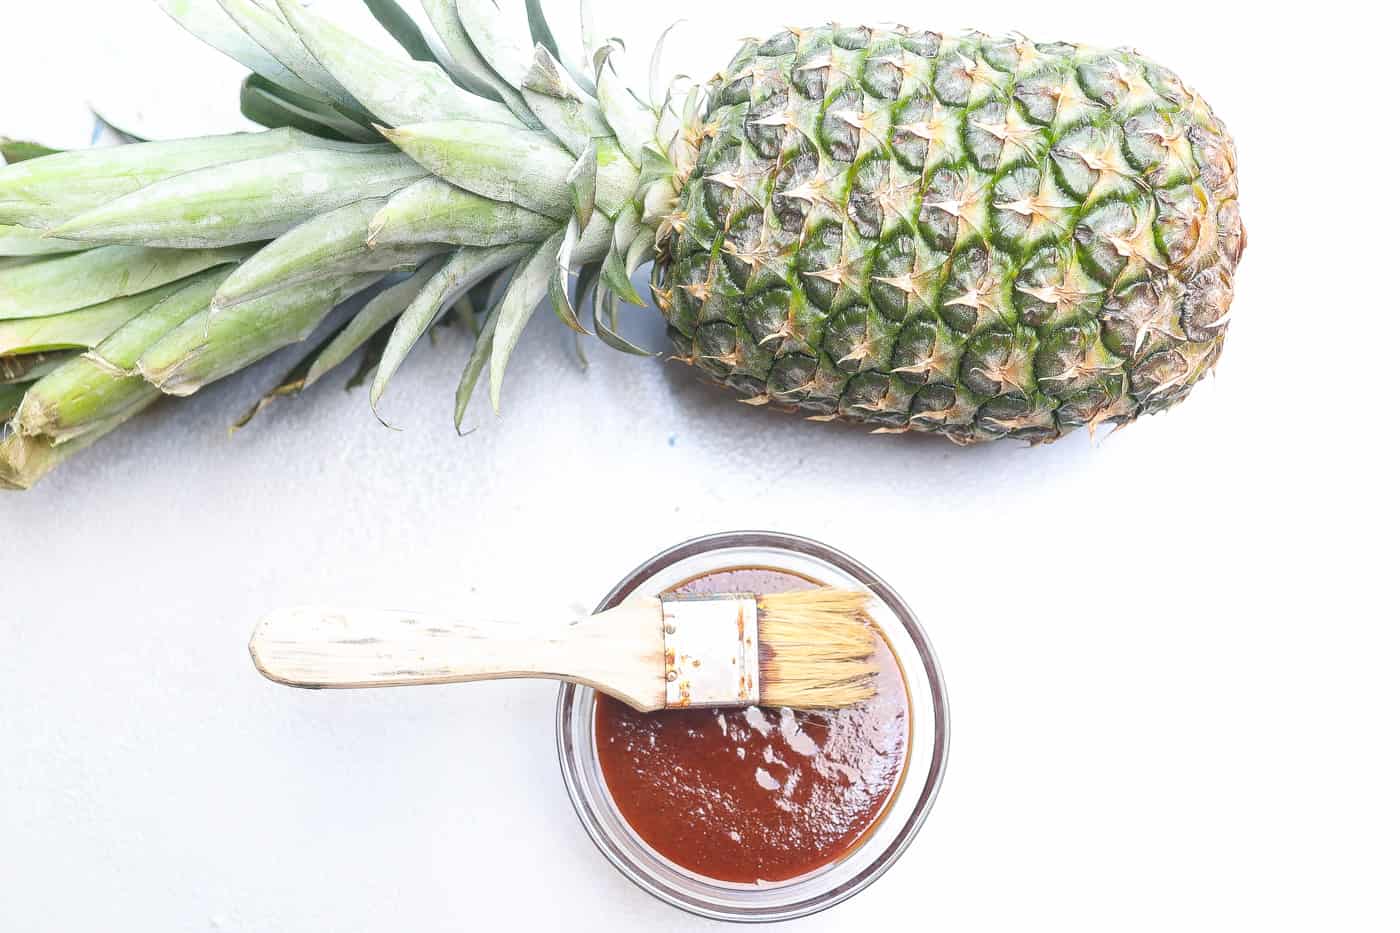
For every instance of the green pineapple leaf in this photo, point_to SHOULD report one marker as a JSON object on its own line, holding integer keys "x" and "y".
{"x": 369, "y": 360}
{"x": 401, "y": 26}
{"x": 539, "y": 28}
{"x": 476, "y": 363}
{"x": 212, "y": 25}
{"x": 13, "y": 151}
{"x": 529, "y": 287}
{"x": 465, "y": 63}
{"x": 465, "y": 268}
{"x": 270, "y": 30}
{"x": 559, "y": 281}
{"x": 56, "y": 285}
{"x": 392, "y": 86}
{"x": 208, "y": 347}
{"x": 273, "y": 106}
{"x": 28, "y": 367}
{"x": 10, "y": 396}
{"x": 377, "y": 314}
{"x": 330, "y": 244}
{"x": 605, "y": 308}
{"x": 26, "y": 241}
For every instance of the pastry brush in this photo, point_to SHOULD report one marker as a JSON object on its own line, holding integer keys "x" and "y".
{"x": 805, "y": 649}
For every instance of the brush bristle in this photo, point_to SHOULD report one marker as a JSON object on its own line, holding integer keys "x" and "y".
{"x": 815, "y": 648}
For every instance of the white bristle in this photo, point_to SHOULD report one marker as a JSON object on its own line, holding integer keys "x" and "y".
{"x": 816, "y": 647}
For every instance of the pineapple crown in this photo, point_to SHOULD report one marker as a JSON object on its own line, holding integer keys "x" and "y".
{"x": 489, "y": 103}
{"x": 509, "y": 167}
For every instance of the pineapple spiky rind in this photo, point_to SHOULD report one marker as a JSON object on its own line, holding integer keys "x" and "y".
{"x": 975, "y": 236}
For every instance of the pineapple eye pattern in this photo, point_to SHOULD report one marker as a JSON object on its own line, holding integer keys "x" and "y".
{"x": 970, "y": 235}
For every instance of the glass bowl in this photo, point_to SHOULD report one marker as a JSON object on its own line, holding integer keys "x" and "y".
{"x": 904, "y": 813}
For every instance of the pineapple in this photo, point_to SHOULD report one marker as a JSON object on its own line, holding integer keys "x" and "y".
{"x": 973, "y": 236}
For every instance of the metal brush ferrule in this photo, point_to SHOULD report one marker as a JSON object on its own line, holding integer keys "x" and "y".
{"x": 711, "y": 645}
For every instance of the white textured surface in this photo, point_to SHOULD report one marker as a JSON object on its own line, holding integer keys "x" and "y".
{"x": 1171, "y": 668}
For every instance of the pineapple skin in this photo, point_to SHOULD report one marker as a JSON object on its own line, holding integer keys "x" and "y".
{"x": 975, "y": 236}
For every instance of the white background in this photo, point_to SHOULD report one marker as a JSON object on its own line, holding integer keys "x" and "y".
{"x": 1172, "y": 657}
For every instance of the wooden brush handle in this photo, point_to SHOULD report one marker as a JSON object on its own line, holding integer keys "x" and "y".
{"x": 618, "y": 652}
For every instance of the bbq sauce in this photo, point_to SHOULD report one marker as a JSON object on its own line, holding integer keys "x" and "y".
{"x": 746, "y": 795}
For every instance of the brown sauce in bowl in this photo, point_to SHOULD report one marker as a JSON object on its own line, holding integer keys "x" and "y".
{"x": 749, "y": 794}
